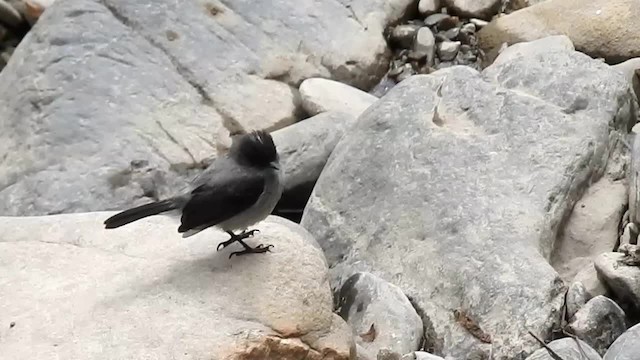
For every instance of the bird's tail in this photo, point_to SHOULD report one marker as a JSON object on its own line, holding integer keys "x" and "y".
{"x": 139, "y": 212}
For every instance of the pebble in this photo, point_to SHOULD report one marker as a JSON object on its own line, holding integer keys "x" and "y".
{"x": 447, "y": 50}
{"x": 448, "y": 23}
{"x": 403, "y": 35}
{"x": 452, "y": 34}
{"x": 9, "y": 15}
{"x": 425, "y": 43}
{"x": 479, "y": 23}
{"x": 428, "y": 7}
{"x": 407, "y": 72}
{"x": 435, "y": 19}
{"x": 468, "y": 28}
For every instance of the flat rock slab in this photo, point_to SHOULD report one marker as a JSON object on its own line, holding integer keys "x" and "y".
{"x": 74, "y": 290}
{"x": 452, "y": 187}
{"x": 100, "y": 84}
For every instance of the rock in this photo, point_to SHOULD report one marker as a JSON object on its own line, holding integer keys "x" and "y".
{"x": 447, "y": 50}
{"x": 403, "y": 35}
{"x": 385, "y": 354}
{"x": 597, "y": 28}
{"x": 421, "y": 355}
{"x": 630, "y": 70}
{"x": 429, "y": 224}
{"x": 380, "y": 315}
{"x": 484, "y": 9}
{"x": 623, "y": 280}
{"x": 452, "y": 34}
{"x": 436, "y": 19}
{"x": 406, "y": 72}
{"x": 425, "y": 43}
{"x": 528, "y": 49}
{"x": 577, "y": 297}
{"x": 629, "y": 235}
{"x": 567, "y": 349}
{"x": 592, "y": 228}
{"x": 626, "y": 347}
{"x": 321, "y": 95}
{"x": 383, "y": 87}
{"x": 9, "y": 15}
{"x": 428, "y": 7}
{"x": 598, "y": 323}
{"x": 468, "y": 28}
{"x": 634, "y": 178}
{"x": 131, "y": 292}
{"x": 479, "y": 23}
{"x": 164, "y": 90}
{"x": 589, "y": 278}
{"x": 304, "y": 149}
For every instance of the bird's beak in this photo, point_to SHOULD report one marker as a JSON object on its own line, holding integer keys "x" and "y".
{"x": 274, "y": 165}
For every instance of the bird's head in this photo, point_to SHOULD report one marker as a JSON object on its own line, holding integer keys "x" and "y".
{"x": 255, "y": 149}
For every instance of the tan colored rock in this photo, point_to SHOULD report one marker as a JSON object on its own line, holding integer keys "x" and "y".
{"x": 75, "y": 290}
{"x": 592, "y": 228}
{"x": 599, "y": 28}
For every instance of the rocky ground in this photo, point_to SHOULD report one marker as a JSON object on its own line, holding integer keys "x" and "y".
{"x": 462, "y": 178}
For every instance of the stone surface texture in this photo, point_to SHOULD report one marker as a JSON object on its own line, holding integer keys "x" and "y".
{"x": 453, "y": 186}
{"x": 598, "y": 323}
{"x": 567, "y": 349}
{"x": 368, "y": 302}
{"x": 80, "y": 291}
{"x": 592, "y": 228}
{"x": 99, "y": 84}
{"x": 623, "y": 280}
{"x": 626, "y": 347}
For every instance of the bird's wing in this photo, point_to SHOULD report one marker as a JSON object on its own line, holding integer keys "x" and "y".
{"x": 222, "y": 196}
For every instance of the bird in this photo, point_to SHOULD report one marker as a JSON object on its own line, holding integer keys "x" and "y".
{"x": 238, "y": 190}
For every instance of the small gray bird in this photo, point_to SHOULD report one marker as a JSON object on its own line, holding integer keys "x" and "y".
{"x": 236, "y": 191}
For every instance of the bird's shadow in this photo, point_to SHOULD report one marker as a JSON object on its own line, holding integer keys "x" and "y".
{"x": 190, "y": 277}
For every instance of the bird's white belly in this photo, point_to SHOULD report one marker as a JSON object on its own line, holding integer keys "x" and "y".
{"x": 261, "y": 209}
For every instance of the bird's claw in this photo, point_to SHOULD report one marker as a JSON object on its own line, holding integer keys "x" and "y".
{"x": 243, "y": 235}
{"x": 256, "y": 250}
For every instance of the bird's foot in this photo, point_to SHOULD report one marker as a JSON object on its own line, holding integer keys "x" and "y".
{"x": 255, "y": 250}
{"x": 243, "y": 235}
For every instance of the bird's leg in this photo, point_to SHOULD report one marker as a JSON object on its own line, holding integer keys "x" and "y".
{"x": 243, "y": 235}
{"x": 249, "y": 250}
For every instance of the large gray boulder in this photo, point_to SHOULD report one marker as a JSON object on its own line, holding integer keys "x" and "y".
{"x": 626, "y": 347}
{"x": 99, "y": 87}
{"x": 73, "y": 290}
{"x": 453, "y": 185}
